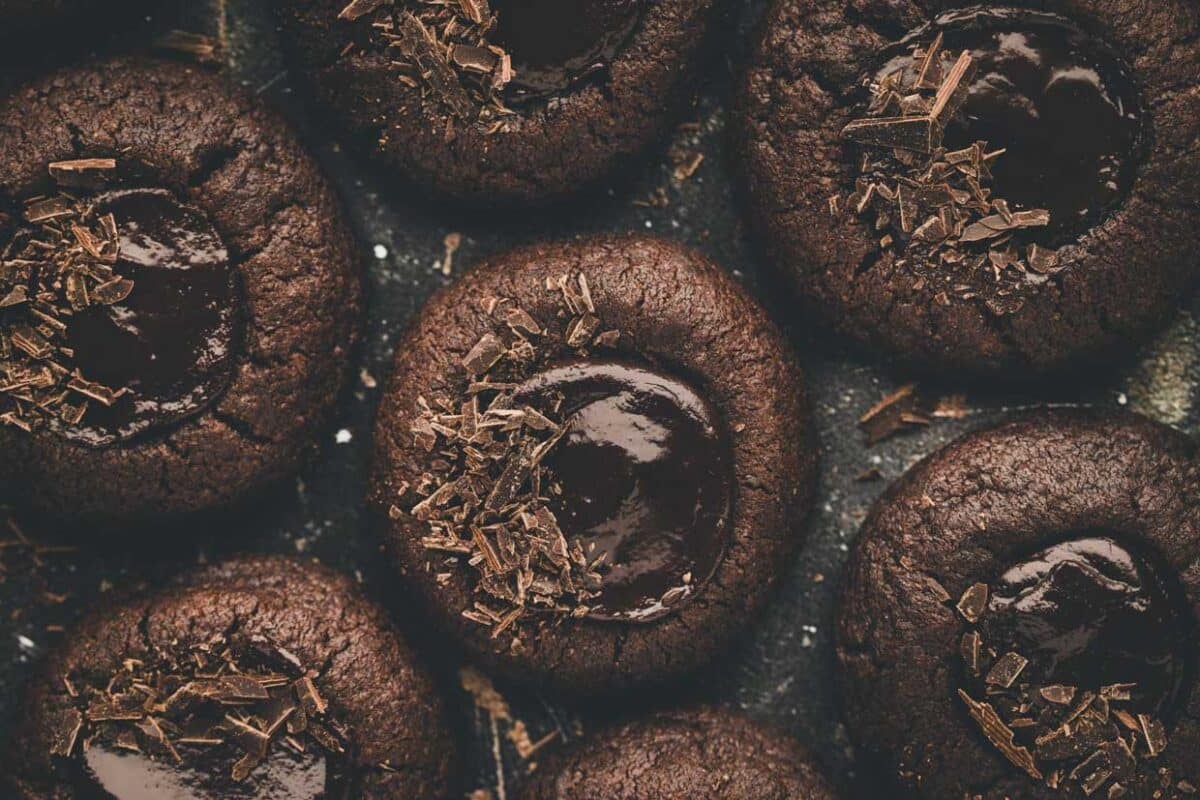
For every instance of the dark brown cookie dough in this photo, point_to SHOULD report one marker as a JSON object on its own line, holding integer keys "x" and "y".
{"x": 350, "y": 713}
{"x": 710, "y": 754}
{"x": 628, "y": 65}
{"x": 234, "y": 341}
{"x": 1092, "y": 104}
{"x": 1019, "y": 612}
{"x": 673, "y": 456}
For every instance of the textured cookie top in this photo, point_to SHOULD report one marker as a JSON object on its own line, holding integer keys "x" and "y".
{"x": 207, "y": 152}
{"x": 1017, "y": 614}
{"x": 991, "y": 189}
{"x": 494, "y": 102}
{"x": 713, "y": 754}
{"x": 674, "y": 386}
{"x": 314, "y": 688}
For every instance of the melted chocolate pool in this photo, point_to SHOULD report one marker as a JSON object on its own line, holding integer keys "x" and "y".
{"x": 171, "y": 343}
{"x": 1061, "y": 102}
{"x": 646, "y": 480}
{"x": 556, "y": 44}
{"x": 109, "y": 773}
{"x": 1089, "y": 613}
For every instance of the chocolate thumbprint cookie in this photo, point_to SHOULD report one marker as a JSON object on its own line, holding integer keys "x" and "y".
{"x": 706, "y": 753}
{"x": 593, "y": 459}
{"x": 491, "y": 101}
{"x": 1018, "y": 616}
{"x": 261, "y": 678}
{"x": 995, "y": 189}
{"x": 178, "y": 293}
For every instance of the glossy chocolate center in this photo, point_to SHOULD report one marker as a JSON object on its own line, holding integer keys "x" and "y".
{"x": 110, "y": 773}
{"x": 556, "y": 44}
{"x": 643, "y": 477}
{"x": 171, "y": 343}
{"x": 1060, "y": 102}
{"x": 1089, "y": 613}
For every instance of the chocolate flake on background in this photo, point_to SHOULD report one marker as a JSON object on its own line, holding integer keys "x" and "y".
{"x": 484, "y": 496}
{"x": 909, "y": 408}
{"x": 197, "y": 46}
{"x": 204, "y": 697}
{"x": 1062, "y": 735}
{"x": 932, "y": 205}
{"x": 58, "y": 264}
{"x": 488, "y": 699}
{"x": 442, "y": 46}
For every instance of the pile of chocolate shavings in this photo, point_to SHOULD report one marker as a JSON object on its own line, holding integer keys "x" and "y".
{"x": 443, "y": 47}
{"x": 935, "y": 206}
{"x": 1091, "y": 738}
{"x": 484, "y": 497}
{"x": 58, "y": 261}
{"x": 206, "y": 697}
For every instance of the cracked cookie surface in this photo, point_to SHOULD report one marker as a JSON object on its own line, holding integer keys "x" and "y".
{"x": 1073, "y": 300}
{"x": 717, "y": 755}
{"x": 537, "y": 150}
{"x": 295, "y": 263}
{"x": 997, "y": 590}
{"x": 521, "y": 581}
{"x": 330, "y": 659}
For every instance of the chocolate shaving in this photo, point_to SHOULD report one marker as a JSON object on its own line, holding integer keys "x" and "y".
{"x": 932, "y": 207}
{"x": 177, "y": 703}
{"x": 444, "y": 47}
{"x": 1075, "y": 737}
{"x": 904, "y": 409}
{"x": 973, "y": 602}
{"x": 484, "y": 499}
{"x": 1000, "y": 735}
{"x": 1058, "y": 694}
{"x": 1007, "y": 669}
{"x": 57, "y": 266}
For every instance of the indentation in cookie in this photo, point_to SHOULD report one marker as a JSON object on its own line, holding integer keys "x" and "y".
{"x": 1059, "y": 102}
{"x": 202, "y": 723}
{"x": 171, "y": 343}
{"x": 118, "y": 310}
{"x": 1077, "y": 660}
{"x": 642, "y": 479}
{"x": 555, "y": 44}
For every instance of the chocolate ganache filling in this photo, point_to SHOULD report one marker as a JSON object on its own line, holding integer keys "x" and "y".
{"x": 109, "y": 772}
{"x": 1059, "y": 102}
{"x": 1089, "y": 613}
{"x": 643, "y": 478}
{"x": 557, "y": 44}
{"x": 215, "y": 727}
{"x": 171, "y": 343}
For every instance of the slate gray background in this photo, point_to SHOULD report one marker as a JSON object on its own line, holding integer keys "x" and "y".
{"x": 784, "y": 670}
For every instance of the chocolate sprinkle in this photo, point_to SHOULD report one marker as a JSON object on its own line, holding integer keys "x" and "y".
{"x": 54, "y": 267}
{"x": 443, "y": 46}
{"x": 932, "y": 205}
{"x": 1055, "y": 733}
{"x": 206, "y": 696}
{"x": 484, "y": 498}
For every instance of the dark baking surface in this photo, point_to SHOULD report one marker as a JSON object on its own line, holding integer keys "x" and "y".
{"x": 784, "y": 672}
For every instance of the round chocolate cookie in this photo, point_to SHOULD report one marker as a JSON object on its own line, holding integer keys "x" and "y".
{"x": 594, "y": 458}
{"x": 262, "y": 678}
{"x": 706, "y": 753}
{"x": 1001, "y": 189}
{"x": 178, "y": 293}
{"x": 1018, "y": 615}
{"x": 507, "y": 100}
